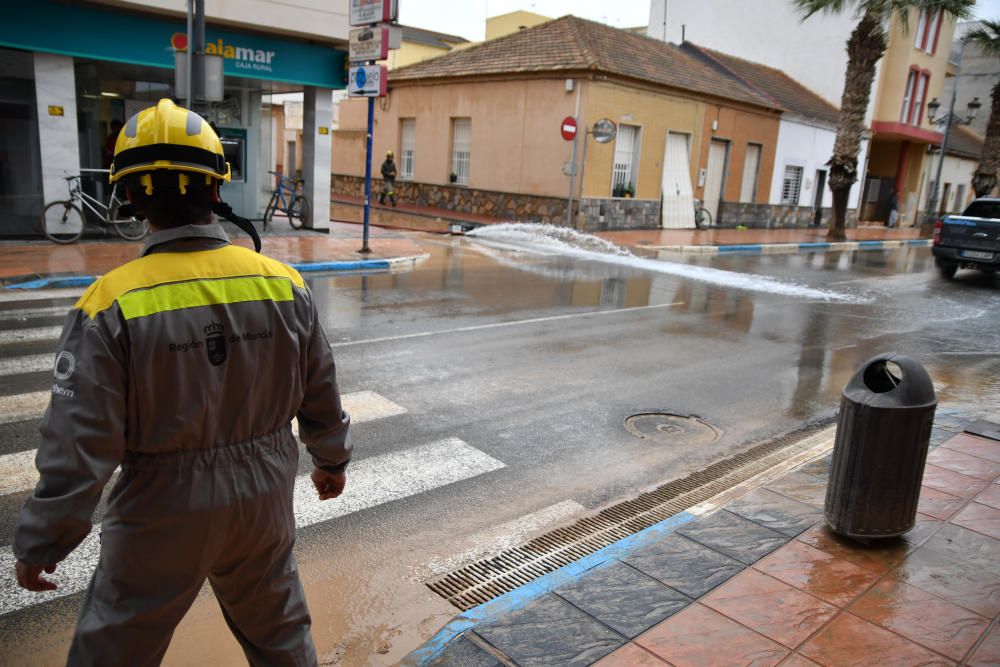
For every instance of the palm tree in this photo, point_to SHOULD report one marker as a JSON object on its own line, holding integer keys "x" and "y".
{"x": 865, "y": 48}
{"x": 987, "y": 37}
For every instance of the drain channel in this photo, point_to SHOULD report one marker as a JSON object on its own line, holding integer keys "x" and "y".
{"x": 487, "y": 579}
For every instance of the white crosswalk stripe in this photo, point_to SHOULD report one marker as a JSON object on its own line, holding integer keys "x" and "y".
{"x": 21, "y": 407}
{"x": 32, "y": 334}
{"x": 371, "y": 482}
{"x": 8, "y": 295}
{"x": 17, "y": 471}
{"x": 34, "y": 363}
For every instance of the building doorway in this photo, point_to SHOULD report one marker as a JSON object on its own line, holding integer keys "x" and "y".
{"x": 715, "y": 179}
{"x": 818, "y": 198}
{"x": 677, "y": 208}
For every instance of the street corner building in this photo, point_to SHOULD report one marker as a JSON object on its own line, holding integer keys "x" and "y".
{"x": 70, "y": 70}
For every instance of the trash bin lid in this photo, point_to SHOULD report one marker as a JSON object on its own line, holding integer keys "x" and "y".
{"x": 891, "y": 380}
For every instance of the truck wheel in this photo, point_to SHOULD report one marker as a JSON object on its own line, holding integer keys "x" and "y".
{"x": 947, "y": 270}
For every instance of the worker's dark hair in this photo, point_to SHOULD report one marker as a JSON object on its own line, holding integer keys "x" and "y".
{"x": 167, "y": 206}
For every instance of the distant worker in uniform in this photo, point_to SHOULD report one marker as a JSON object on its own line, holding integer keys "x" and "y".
{"x": 185, "y": 367}
{"x": 388, "y": 180}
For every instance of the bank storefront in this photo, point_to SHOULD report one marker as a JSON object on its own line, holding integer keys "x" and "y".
{"x": 69, "y": 71}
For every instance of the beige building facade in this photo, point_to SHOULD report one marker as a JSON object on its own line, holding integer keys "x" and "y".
{"x": 471, "y": 136}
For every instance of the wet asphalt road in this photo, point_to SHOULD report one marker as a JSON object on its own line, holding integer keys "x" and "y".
{"x": 535, "y": 361}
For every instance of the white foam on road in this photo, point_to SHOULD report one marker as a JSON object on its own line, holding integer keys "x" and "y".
{"x": 370, "y": 482}
{"x": 18, "y": 473}
{"x": 583, "y": 246}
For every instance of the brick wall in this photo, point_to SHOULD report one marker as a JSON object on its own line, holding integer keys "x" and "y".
{"x": 501, "y": 205}
{"x": 768, "y": 216}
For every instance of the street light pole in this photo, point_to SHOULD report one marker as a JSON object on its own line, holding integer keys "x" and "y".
{"x": 932, "y": 196}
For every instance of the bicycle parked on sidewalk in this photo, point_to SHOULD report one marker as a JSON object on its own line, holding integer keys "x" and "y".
{"x": 63, "y": 221}
{"x": 702, "y": 218}
{"x": 296, "y": 205}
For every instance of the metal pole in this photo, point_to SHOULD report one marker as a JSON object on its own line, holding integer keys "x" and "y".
{"x": 933, "y": 196}
{"x": 572, "y": 175}
{"x": 190, "y": 50}
{"x": 368, "y": 173}
{"x": 198, "y": 70}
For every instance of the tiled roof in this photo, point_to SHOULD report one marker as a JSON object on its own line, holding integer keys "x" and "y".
{"x": 965, "y": 143}
{"x": 788, "y": 93}
{"x": 431, "y": 38}
{"x": 574, "y": 44}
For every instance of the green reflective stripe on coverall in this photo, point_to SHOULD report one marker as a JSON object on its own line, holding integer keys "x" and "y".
{"x": 176, "y": 296}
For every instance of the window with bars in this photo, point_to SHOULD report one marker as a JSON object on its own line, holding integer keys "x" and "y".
{"x": 625, "y": 167}
{"x": 407, "y": 133}
{"x": 461, "y": 137}
{"x": 791, "y": 185}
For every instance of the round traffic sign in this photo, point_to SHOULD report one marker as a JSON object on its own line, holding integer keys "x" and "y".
{"x": 568, "y": 128}
{"x": 361, "y": 78}
{"x": 604, "y": 131}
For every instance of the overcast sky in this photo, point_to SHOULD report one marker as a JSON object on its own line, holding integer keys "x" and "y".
{"x": 467, "y": 18}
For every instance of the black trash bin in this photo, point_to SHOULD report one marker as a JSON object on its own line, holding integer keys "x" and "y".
{"x": 886, "y": 414}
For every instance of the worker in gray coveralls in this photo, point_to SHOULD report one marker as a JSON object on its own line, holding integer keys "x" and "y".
{"x": 185, "y": 367}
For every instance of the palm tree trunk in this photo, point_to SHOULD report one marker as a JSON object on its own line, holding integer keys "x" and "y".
{"x": 864, "y": 49}
{"x": 985, "y": 178}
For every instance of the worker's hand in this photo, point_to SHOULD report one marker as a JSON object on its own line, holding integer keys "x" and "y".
{"x": 329, "y": 485}
{"x": 30, "y": 576}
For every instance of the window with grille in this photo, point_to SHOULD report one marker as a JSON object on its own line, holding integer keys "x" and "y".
{"x": 461, "y": 137}
{"x": 791, "y": 185}
{"x": 623, "y": 172}
{"x": 407, "y": 132}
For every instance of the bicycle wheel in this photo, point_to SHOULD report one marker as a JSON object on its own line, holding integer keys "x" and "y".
{"x": 702, "y": 218}
{"x": 298, "y": 211}
{"x": 128, "y": 227}
{"x": 62, "y": 222}
{"x": 269, "y": 209}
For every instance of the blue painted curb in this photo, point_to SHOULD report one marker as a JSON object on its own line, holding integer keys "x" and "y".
{"x": 67, "y": 281}
{"x": 870, "y": 244}
{"x": 302, "y": 267}
{"x": 363, "y": 264}
{"x": 755, "y": 247}
{"x": 520, "y": 597}
{"x": 814, "y": 245}
{"x": 926, "y": 242}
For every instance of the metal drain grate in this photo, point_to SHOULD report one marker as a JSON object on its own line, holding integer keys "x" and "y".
{"x": 487, "y": 579}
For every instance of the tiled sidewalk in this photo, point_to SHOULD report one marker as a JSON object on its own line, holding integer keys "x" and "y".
{"x": 764, "y": 582}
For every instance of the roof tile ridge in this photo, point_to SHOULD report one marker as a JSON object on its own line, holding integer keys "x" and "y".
{"x": 575, "y": 23}
{"x": 711, "y": 55}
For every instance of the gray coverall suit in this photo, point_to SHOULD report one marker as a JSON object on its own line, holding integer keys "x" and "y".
{"x": 186, "y": 367}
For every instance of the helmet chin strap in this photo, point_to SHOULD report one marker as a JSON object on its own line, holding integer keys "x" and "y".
{"x": 224, "y": 210}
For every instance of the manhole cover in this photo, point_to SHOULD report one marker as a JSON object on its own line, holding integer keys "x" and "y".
{"x": 670, "y": 428}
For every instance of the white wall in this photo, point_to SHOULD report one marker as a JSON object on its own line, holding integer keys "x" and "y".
{"x": 957, "y": 171}
{"x": 324, "y": 20}
{"x": 809, "y": 147}
{"x": 812, "y": 52}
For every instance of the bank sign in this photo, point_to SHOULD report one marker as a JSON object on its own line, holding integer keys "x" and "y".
{"x": 102, "y": 33}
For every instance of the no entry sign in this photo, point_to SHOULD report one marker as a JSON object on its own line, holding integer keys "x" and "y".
{"x": 568, "y": 128}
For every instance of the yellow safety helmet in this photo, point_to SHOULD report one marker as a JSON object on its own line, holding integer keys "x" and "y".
{"x": 388, "y": 153}
{"x": 168, "y": 137}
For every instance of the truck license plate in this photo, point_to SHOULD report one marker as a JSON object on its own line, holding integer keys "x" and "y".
{"x": 977, "y": 254}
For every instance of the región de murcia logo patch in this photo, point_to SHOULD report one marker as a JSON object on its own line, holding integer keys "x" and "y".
{"x": 215, "y": 343}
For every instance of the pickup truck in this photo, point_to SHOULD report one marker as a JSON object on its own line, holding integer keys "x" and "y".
{"x": 970, "y": 240}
